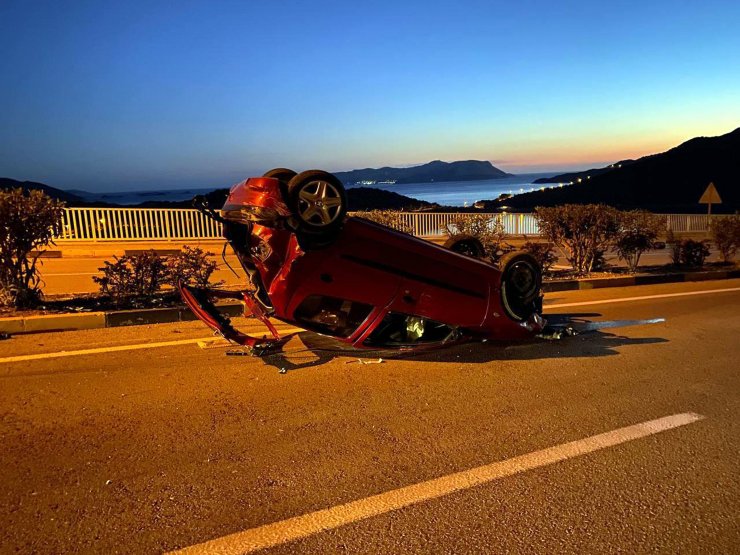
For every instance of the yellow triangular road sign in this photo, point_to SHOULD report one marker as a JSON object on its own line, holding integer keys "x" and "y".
{"x": 710, "y": 196}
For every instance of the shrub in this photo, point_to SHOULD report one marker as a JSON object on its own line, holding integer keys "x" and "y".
{"x": 136, "y": 275}
{"x": 141, "y": 275}
{"x": 388, "y": 218}
{"x": 582, "y": 231}
{"x": 543, "y": 253}
{"x": 191, "y": 265}
{"x": 692, "y": 254}
{"x": 489, "y": 231}
{"x": 637, "y": 233}
{"x": 726, "y": 235}
{"x": 28, "y": 222}
{"x": 674, "y": 245}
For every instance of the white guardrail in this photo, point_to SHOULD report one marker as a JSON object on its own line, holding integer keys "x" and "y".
{"x": 168, "y": 224}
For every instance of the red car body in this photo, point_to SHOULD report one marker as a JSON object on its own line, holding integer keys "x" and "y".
{"x": 370, "y": 285}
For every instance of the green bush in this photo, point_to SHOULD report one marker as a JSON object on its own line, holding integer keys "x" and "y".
{"x": 726, "y": 235}
{"x": 543, "y": 253}
{"x": 489, "y": 231}
{"x": 637, "y": 232}
{"x": 388, "y": 218}
{"x": 692, "y": 254}
{"x": 136, "y": 275}
{"x": 143, "y": 275}
{"x": 583, "y": 231}
{"x": 192, "y": 266}
{"x": 28, "y": 222}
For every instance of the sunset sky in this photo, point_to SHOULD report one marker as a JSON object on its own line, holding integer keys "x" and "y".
{"x": 135, "y": 95}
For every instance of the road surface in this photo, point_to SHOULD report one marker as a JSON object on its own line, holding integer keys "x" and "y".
{"x": 619, "y": 440}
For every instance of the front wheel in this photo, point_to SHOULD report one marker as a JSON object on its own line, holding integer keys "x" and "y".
{"x": 521, "y": 285}
{"x": 318, "y": 201}
{"x": 467, "y": 245}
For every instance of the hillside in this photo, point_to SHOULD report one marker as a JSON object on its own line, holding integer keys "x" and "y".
{"x": 671, "y": 181}
{"x": 7, "y": 183}
{"x": 437, "y": 171}
{"x": 573, "y": 177}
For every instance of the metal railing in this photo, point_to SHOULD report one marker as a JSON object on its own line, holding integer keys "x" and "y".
{"x": 135, "y": 224}
{"x": 168, "y": 224}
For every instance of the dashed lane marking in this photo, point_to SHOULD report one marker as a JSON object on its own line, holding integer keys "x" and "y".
{"x": 291, "y": 529}
{"x": 643, "y": 298}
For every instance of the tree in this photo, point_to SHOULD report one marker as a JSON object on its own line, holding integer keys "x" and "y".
{"x": 28, "y": 223}
{"x": 581, "y": 231}
{"x": 726, "y": 235}
{"x": 638, "y": 230}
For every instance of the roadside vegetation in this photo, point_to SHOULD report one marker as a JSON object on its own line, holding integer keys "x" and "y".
{"x": 726, "y": 235}
{"x": 28, "y": 223}
{"x": 131, "y": 280}
{"x": 582, "y": 234}
{"x": 388, "y": 218}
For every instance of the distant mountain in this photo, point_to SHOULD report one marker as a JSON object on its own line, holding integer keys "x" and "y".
{"x": 437, "y": 171}
{"x": 7, "y": 183}
{"x": 573, "y": 177}
{"x": 671, "y": 181}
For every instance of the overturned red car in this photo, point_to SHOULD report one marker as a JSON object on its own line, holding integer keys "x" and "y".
{"x": 311, "y": 265}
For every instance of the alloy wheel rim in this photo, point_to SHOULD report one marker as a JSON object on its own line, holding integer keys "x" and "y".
{"x": 319, "y": 203}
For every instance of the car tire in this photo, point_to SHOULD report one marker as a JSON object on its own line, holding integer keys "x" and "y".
{"x": 521, "y": 285}
{"x": 282, "y": 174}
{"x": 318, "y": 202}
{"x": 467, "y": 245}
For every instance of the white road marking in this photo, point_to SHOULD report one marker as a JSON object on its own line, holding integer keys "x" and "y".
{"x": 644, "y": 298}
{"x": 284, "y": 531}
{"x": 117, "y": 348}
{"x": 41, "y": 356}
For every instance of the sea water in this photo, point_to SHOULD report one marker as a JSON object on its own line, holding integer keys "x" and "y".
{"x": 466, "y": 193}
{"x": 447, "y": 193}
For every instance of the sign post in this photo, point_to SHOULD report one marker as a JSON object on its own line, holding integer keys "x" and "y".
{"x": 710, "y": 196}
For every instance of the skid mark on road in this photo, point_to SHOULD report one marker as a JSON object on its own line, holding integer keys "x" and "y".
{"x": 643, "y": 298}
{"x": 118, "y": 348}
{"x": 309, "y": 524}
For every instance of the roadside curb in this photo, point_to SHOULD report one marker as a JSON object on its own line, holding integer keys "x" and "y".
{"x": 113, "y": 319}
{"x": 640, "y": 279}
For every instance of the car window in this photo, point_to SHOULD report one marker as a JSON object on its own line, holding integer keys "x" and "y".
{"x": 407, "y": 329}
{"x": 330, "y": 315}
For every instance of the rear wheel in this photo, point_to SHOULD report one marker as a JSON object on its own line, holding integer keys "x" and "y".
{"x": 521, "y": 285}
{"x": 318, "y": 201}
{"x": 466, "y": 245}
{"x": 283, "y": 174}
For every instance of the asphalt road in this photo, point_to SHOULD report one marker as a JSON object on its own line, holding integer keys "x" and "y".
{"x": 164, "y": 447}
